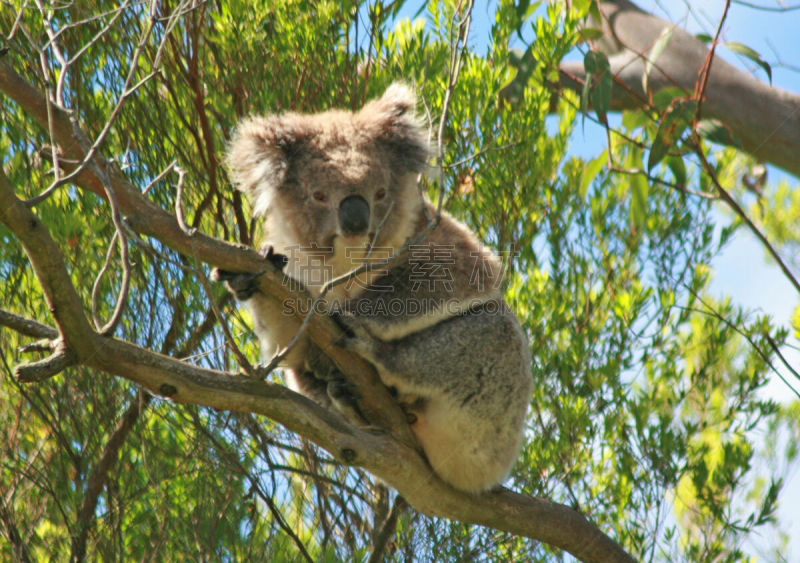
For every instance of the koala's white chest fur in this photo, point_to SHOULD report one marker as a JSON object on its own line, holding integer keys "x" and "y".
{"x": 313, "y": 267}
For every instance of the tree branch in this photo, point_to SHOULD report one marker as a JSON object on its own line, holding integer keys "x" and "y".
{"x": 99, "y": 474}
{"x": 28, "y": 327}
{"x": 765, "y": 119}
{"x": 387, "y": 529}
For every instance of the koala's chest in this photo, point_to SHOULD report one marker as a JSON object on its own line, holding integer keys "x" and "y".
{"x": 314, "y": 270}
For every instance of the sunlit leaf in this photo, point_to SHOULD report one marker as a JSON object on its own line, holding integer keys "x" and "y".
{"x": 751, "y": 54}
{"x": 658, "y": 47}
{"x": 639, "y": 191}
{"x": 717, "y": 132}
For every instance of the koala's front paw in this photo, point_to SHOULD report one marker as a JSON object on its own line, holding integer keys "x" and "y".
{"x": 277, "y": 260}
{"x": 359, "y": 340}
{"x": 243, "y": 286}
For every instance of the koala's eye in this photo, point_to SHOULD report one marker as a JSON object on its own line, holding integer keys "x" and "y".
{"x": 319, "y": 197}
{"x": 380, "y": 194}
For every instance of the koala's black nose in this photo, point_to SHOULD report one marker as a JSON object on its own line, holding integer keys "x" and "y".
{"x": 354, "y": 215}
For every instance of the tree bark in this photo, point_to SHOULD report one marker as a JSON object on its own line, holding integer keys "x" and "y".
{"x": 765, "y": 119}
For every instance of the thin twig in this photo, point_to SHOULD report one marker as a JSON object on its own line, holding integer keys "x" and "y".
{"x": 127, "y": 91}
{"x": 235, "y": 463}
{"x": 711, "y": 311}
{"x": 179, "y": 203}
{"x": 705, "y": 70}
{"x": 482, "y": 152}
{"x": 458, "y": 45}
{"x": 161, "y": 176}
{"x": 657, "y": 180}
{"x": 387, "y": 530}
{"x": 734, "y": 205}
{"x": 116, "y": 218}
{"x": 201, "y": 276}
{"x": 229, "y": 340}
{"x": 98, "y": 279}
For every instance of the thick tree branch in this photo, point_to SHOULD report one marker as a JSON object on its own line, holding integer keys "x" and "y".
{"x": 51, "y": 271}
{"x": 764, "y": 118}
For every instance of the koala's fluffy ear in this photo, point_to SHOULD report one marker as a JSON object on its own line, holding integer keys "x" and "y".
{"x": 259, "y": 156}
{"x": 393, "y": 121}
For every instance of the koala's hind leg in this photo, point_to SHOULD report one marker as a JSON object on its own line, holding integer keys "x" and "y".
{"x": 472, "y": 376}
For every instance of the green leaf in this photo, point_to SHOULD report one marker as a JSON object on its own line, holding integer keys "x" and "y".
{"x": 639, "y": 192}
{"x": 525, "y": 9}
{"x": 678, "y": 169}
{"x": 717, "y": 132}
{"x": 751, "y": 54}
{"x": 523, "y": 64}
{"x": 633, "y": 119}
{"x": 587, "y": 88}
{"x": 674, "y": 122}
{"x": 704, "y": 37}
{"x": 596, "y": 63}
{"x": 594, "y": 12}
{"x": 665, "y": 96}
{"x": 796, "y": 322}
{"x": 591, "y": 171}
{"x": 591, "y": 61}
{"x": 655, "y": 52}
{"x": 589, "y": 34}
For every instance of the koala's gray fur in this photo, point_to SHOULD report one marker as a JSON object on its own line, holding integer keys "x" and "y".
{"x": 330, "y": 186}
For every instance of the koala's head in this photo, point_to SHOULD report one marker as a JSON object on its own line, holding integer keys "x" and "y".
{"x": 335, "y": 179}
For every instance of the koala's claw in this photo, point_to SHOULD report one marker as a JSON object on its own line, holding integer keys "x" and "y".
{"x": 277, "y": 260}
{"x": 243, "y": 286}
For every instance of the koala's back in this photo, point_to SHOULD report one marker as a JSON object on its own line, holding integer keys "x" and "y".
{"x": 455, "y": 353}
{"x": 469, "y": 382}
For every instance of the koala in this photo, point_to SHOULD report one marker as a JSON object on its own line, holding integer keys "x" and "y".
{"x": 339, "y": 188}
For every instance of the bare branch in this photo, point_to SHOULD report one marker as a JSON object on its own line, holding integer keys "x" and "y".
{"x": 99, "y": 474}
{"x": 705, "y": 70}
{"x": 734, "y": 205}
{"x": 458, "y": 46}
{"x": 387, "y": 530}
{"x": 25, "y": 326}
{"x": 44, "y": 369}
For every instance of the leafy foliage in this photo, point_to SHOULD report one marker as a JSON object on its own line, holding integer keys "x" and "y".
{"x": 646, "y": 413}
